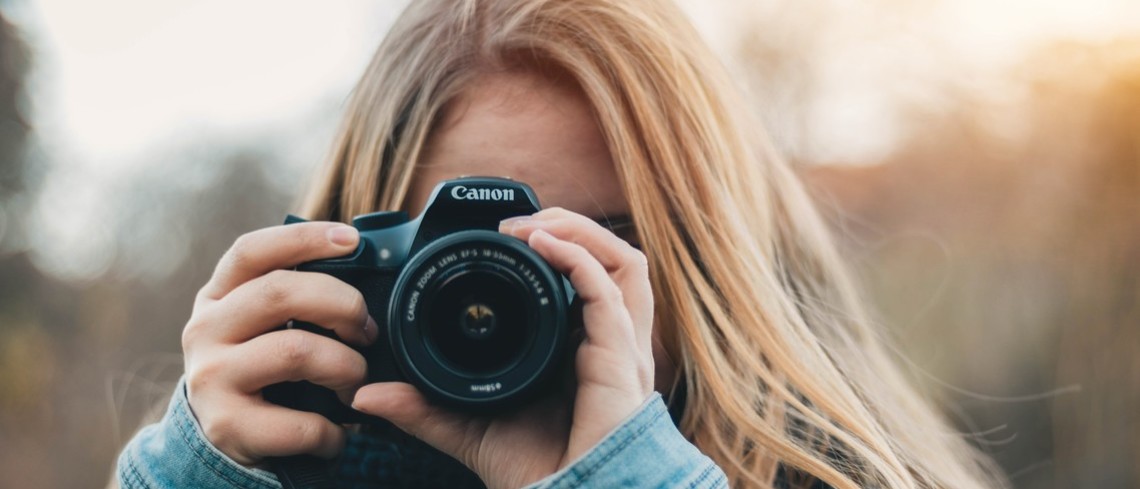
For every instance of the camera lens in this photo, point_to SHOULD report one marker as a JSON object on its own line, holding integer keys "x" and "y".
{"x": 478, "y": 321}
{"x": 478, "y": 318}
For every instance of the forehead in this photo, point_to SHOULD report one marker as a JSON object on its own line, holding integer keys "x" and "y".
{"x": 528, "y": 128}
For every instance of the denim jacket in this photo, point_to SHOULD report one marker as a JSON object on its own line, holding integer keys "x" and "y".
{"x": 646, "y": 450}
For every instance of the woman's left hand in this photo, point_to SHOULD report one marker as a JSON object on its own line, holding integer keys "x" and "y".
{"x": 614, "y": 364}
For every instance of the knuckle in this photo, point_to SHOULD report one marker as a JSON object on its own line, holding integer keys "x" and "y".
{"x": 220, "y": 430}
{"x": 273, "y": 289}
{"x": 242, "y": 251}
{"x": 356, "y": 305}
{"x": 203, "y": 295}
{"x": 614, "y": 294}
{"x": 292, "y": 349}
{"x": 637, "y": 259}
{"x": 307, "y": 435}
{"x": 195, "y": 381}
{"x": 191, "y": 333}
{"x": 202, "y": 375}
{"x": 353, "y": 367}
{"x": 635, "y": 267}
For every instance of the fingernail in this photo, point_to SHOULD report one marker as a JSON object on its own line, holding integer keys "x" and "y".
{"x": 357, "y": 405}
{"x": 343, "y": 235}
{"x": 511, "y": 223}
{"x": 371, "y": 330}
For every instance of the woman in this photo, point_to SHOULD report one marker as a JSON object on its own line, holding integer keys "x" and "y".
{"x": 739, "y": 311}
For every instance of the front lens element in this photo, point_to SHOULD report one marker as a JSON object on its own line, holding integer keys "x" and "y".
{"x": 478, "y": 322}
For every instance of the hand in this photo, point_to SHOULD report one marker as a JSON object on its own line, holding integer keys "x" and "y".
{"x": 233, "y": 346}
{"x": 614, "y": 364}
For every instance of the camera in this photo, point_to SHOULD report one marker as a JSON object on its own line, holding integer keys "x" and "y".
{"x": 473, "y": 318}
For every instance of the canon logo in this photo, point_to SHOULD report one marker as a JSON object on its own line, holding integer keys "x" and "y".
{"x": 459, "y": 192}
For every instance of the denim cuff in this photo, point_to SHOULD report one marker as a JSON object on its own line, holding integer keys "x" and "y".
{"x": 646, "y": 450}
{"x": 175, "y": 453}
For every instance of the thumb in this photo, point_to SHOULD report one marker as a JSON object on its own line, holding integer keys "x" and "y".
{"x": 403, "y": 405}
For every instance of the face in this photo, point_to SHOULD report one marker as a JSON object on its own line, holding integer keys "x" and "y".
{"x": 531, "y": 129}
{"x": 537, "y": 131}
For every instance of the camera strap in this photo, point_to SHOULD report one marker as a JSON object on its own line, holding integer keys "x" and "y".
{"x": 302, "y": 472}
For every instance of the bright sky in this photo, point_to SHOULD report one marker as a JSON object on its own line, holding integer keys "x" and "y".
{"x": 115, "y": 79}
{"x": 118, "y": 75}
{"x": 866, "y": 59}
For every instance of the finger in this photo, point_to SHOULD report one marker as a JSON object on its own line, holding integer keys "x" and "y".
{"x": 607, "y": 321}
{"x": 269, "y": 430}
{"x": 404, "y": 406}
{"x": 611, "y": 251}
{"x": 258, "y": 252}
{"x": 293, "y": 355}
{"x": 627, "y": 266}
{"x": 266, "y": 302}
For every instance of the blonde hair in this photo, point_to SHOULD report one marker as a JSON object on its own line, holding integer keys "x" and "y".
{"x": 780, "y": 364}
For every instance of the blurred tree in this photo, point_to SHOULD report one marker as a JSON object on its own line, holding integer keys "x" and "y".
{"x": 81, "y": 363}
{"x": 1098, "y": 432}
{"x": 26, "y": 354}
{"x": 14, "y": 270}
{"x": 14, "y": 64}
{"x": 1004, "y": 253}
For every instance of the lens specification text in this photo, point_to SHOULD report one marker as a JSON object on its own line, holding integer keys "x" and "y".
{"x": 466, "y": 254}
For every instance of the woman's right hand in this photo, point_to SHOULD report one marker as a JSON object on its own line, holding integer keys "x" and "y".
{"x": 234, "y": 347}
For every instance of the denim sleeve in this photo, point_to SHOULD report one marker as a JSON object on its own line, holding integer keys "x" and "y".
{"x": 175, "y": 453}
{"x": 644, "y": 451}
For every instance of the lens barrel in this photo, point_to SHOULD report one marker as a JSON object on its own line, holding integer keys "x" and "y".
{"x": 478, "y": 318}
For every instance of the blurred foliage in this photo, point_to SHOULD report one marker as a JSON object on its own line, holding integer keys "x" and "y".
{"x": 1009, "y": 265}
{"x": 999, "y": 240}
{"x": 81, "y": 363}
{"x": 14, "y": 128}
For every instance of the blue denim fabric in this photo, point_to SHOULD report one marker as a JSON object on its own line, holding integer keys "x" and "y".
{"x": 176, "y": 453}
{"x": 645, "y": 451}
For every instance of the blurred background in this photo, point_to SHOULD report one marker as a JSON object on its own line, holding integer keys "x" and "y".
{"x": 979, "y": 161}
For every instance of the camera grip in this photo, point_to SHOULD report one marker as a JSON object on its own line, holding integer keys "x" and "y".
{"x": 307, "y": 396}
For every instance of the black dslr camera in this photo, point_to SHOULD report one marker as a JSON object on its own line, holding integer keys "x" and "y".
{"x": 473, "y": 318}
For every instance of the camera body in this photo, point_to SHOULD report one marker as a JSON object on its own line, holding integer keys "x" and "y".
{"x": 475, "y": 319}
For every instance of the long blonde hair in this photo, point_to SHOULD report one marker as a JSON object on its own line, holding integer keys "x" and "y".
{"x": 780, "y": 364}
